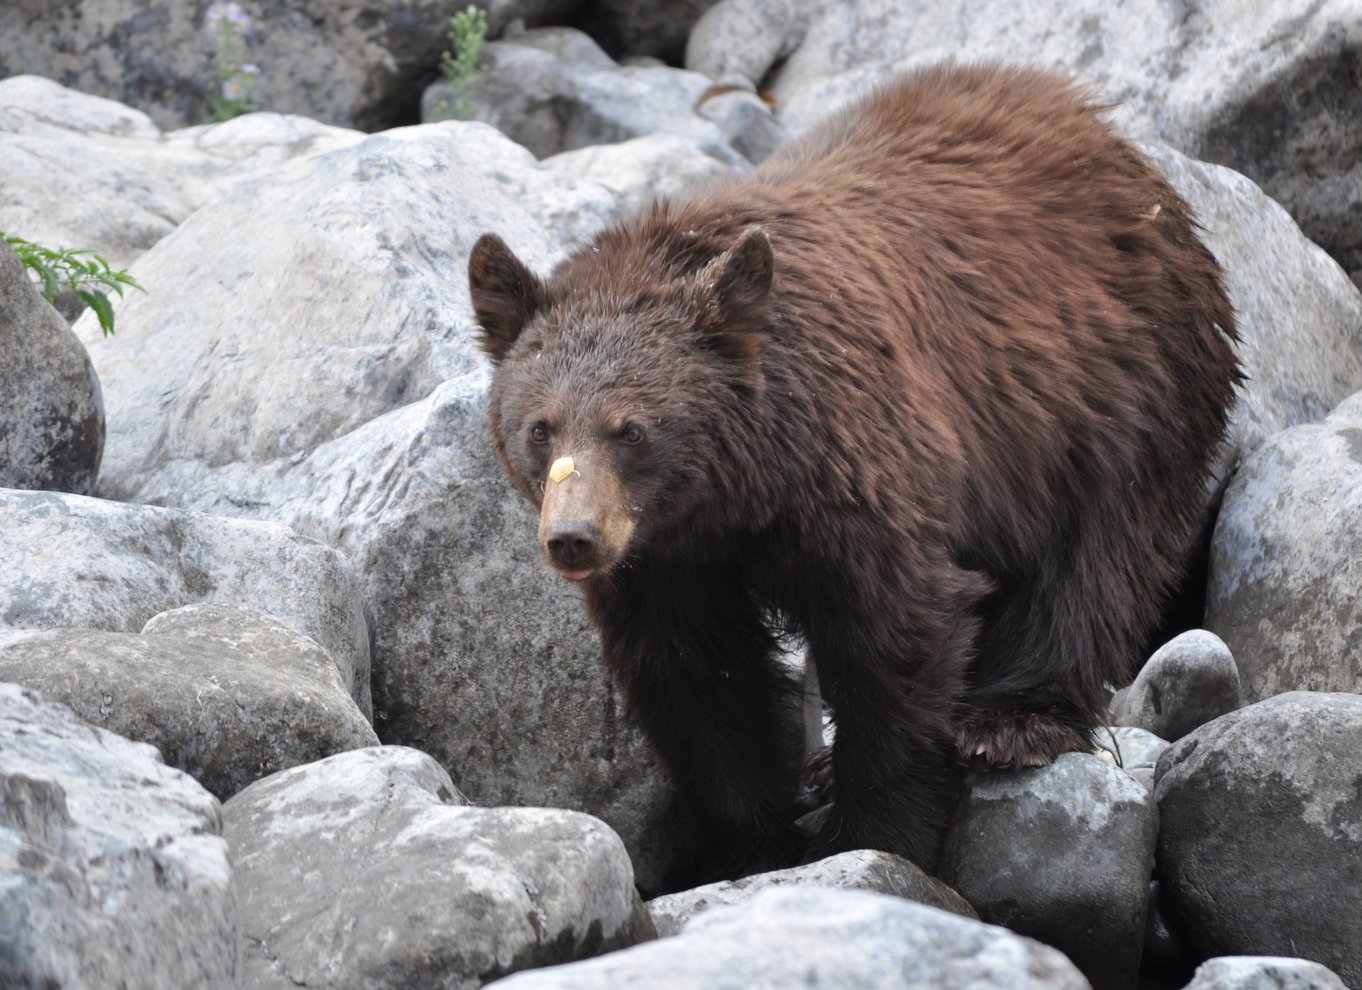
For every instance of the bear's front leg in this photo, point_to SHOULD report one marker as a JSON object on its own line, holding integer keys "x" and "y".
{"x": 689, "y": 648}
{"x": 892, "y": 659}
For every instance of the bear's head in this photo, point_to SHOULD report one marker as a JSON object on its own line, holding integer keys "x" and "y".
{"x": 620, "y": 387}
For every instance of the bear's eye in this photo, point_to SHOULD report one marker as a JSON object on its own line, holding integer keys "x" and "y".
{"x": 632, "y": 434}
{"x": 539, "y": 433}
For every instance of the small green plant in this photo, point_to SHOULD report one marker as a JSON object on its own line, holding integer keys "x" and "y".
{"x": 467, "y": 35}
{"x": 64, "y": 269}
{"x": 230, "y": 26}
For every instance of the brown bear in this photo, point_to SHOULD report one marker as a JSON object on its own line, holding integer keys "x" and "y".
{"x": 939, "y": 385}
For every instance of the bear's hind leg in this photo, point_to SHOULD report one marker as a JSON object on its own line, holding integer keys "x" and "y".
{"x": 1054, "y": 642}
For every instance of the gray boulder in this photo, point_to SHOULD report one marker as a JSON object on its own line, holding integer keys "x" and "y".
{"x": 860, "y": 869}
{"x": 51, "y": 407}
{"x": 339, "y": 286}
{"x": 228, "y": 694}
{"x": 113, "y": 870}
{"x": 1024, "y": 849}
{"x": 1286, "y": 560}
{"x": 83, "y": 563}
{"x": 1260, "y": 843}
{"x": 823, "y": 940}
{"x": 1263, "y": 973}
{"x": 366, "y": 869}
{"x": 1188, "y": 681}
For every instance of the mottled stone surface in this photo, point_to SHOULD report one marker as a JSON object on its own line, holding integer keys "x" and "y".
{"x": 823, "y": 940}
{"x": 226, "y": 693}
{"x": 113, "y": 870}
{"x": 367, "y": 869}
{"x": 1286, "y": 560}
{"x": 1062, "y": 854}
{"x": 85, "y": 563}
{"x": 1260, "y": 843}
{"x": 860, "y": 869}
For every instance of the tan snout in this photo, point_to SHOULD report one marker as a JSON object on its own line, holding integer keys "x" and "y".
{"x": 584, "y": 523}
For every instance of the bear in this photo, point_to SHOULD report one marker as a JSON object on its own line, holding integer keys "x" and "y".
{"x": 939, "y": 385}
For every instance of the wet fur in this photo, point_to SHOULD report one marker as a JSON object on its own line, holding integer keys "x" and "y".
{"x": 958, "y": 435}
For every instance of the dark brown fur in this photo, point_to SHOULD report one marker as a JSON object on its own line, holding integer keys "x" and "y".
{"x": 940, "y": 383}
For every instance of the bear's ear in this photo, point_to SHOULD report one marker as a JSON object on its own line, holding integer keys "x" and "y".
{"x": 737, "y": 285}
{"x": 506, "y": 294}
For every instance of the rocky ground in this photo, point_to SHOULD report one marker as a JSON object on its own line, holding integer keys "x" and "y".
{"x": 291, "y": 699}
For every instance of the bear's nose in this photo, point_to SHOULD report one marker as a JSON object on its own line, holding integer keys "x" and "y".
{"x": 572, "y": 542}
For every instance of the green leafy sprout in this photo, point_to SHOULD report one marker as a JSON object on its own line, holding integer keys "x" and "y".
{"x": 65, "y": 269}
{"x": 467, "y": 35}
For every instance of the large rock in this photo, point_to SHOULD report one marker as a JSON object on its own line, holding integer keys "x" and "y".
{"x": 51, "y": 407}
{"x": 1260, "y": 844}
{"x": 1188, "y": 681}
{"x": 1270, "y": 92}
{"x": 822, "y": 940}
{"x": 1063, "y": 854}
{"x": 367, "y": 870}
{"x": 859, "y": 869}
{"x": 83, "y": 563}
{"x": 113, "y": 870}
{"x": 226, "y": 693}
{"x": 338, "y": 286}
{"x": 1286, "y": 560}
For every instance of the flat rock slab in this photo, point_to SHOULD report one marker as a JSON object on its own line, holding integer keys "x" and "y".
{"x": 367, "y": 869}
{"x": 85, "y": 563}
{"x": 823, "y": 940}
{"x": 859, "y": 869}
{"x": 1063, "y": 854}
{"x": 228, "y": 694}
{"x": 113, "y": 870}
{"x": 1260, "y": 844}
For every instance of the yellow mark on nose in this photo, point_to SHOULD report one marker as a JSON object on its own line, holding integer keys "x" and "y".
{"x": 561, "y": 468}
